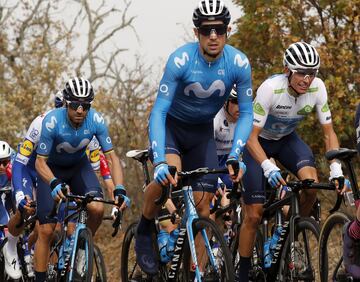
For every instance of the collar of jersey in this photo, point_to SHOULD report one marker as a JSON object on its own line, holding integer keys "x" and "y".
{"x": 213, "y": 63}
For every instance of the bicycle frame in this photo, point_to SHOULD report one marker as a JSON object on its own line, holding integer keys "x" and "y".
{"x": 186, "y": 229}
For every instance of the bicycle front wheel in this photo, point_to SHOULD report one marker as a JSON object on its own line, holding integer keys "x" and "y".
{"x": 305, "y": 250}
{"x": 331, "y": 245}
{"x": 130, "y": 270}
{"x": 82, "y": 262}
{"x": 99, "y": 269}
{"x": 212, "y": 253}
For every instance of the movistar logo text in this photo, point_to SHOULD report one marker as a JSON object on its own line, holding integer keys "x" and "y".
{"x": 179, "y": 62}
{"x": 197, "y": 89}
{"x": 51, "y": 124}
{"x": 241, "y": 62}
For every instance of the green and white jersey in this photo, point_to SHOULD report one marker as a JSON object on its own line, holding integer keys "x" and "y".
{"x": 279, "y": 113}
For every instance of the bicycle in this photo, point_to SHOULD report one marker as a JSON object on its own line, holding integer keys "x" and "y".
{"x": 292, "y": 256}
{"x": 331, "y": 231}
{"x": 71, "y": 258}
{"x": 215, "y": 259}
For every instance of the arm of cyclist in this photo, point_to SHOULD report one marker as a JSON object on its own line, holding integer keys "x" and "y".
{"x": 271, "y": 171}
{"x": 244, "y": 123}
{"x": 332, "y": 143}
{"x": 118, "y": 179}
{"x": 164, "y": 99}
{"x": 47, "y": 176}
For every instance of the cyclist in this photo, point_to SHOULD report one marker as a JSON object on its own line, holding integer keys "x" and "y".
{"x": 62, "y": 161}
{"x": 351, "y": 232}
{"x": 12, "y": 264}
{"x": 282, "y": 101}
{"x": 224, "y": 128}
{"x": 197, "y": 80}
{"x": 24, "y": 177}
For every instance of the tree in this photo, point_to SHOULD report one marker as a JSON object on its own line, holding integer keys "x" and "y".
{"x": 269, "y": 27}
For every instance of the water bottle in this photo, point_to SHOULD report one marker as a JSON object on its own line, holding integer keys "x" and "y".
{"x": 163, "y": 238}
{"x": 267, "y": 254}
{"x": 172, "y": 241}
{"x": 275, "y": 238}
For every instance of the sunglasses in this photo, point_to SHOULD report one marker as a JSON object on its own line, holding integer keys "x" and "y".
{"x": 4, "y": 162}
{"x": 304, "y": 73}
{"x": 233, "y": 101}
{"x": 206, "y": 30}
{"x": 75, "y": 105}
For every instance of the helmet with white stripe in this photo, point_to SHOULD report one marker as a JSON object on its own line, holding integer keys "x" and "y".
{"x": 301, "y": 55}
{"x": 78, "y": 89}
{"x": 211, "y": 10}
{"x": 5, "y": 150}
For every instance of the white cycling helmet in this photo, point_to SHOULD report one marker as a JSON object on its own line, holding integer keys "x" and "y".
{"x": 211, "y": 10}
{"x": 233, "y": 94}
{"x": 5, "y": 150}
{"x": 78, "y": 89}
{"x": 301, "y": 55}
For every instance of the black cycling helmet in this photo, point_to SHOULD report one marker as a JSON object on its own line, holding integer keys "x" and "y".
{"x": 211, "y": 10}
{"x": 233, "y": 94}
{"x": 78, "y": 89}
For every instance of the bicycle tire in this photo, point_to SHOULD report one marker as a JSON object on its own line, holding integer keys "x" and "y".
{"x": 99, "y": 268}
{"x": 82, "y": 272}
{"x": 227, "y": 269}
{"x": 129, "y": 268}
{"x": 337, "y": 218}
{"x": 301, "y": 226}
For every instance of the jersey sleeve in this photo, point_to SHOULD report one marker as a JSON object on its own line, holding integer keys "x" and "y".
{"x": 27, "y": 146}
{"x": 262, "y": 104}
{"x": 48, "y": 133}
{"x": 166, "y": 92}
{"x": 245, "y": 121}
{"x": 94, "y": 153}
{"x": 322, "y": 106}
{"x": 104, "y": 167}
{"x": 102, "y": 132}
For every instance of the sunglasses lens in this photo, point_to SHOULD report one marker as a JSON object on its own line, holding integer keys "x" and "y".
{"x": 4, "y": 162}
{"x": 76, "y": 105}
{"x": 219, "y": 29}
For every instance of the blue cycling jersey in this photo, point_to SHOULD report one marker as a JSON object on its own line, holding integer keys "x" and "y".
{"x": 193, "y": 90}
{"x": 65, "y": 145}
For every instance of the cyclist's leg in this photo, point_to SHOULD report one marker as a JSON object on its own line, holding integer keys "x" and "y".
{"x": 45, "y": 204}
{"x": 254, "y": 197}
{"x": 84, "y": 181}
{"x": 299, "y": 159}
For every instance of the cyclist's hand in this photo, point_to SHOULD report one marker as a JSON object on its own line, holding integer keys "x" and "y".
{"x": 114, "y": 212}
{"x": 233, "y": 165}
{"x": 272, "y": 173}
{"x": 120, "y": 195}
{"x": 162, "y": 175}
{"x": 24, "y": 206}
{"x": 337, "y": 176}
{"x": 59, "y": 189}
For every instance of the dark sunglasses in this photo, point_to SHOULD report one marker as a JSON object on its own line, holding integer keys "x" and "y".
{"x": 4, "y": 162}
{"x": 75, "y": 105}
{"x": 233, "y": 101}
{"x": 206, "y": 30}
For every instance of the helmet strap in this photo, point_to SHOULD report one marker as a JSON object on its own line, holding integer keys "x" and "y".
{"x": 226, "y": 107}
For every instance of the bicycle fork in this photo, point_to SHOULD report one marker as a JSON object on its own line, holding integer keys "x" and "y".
{"x": 191, "y": 215}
